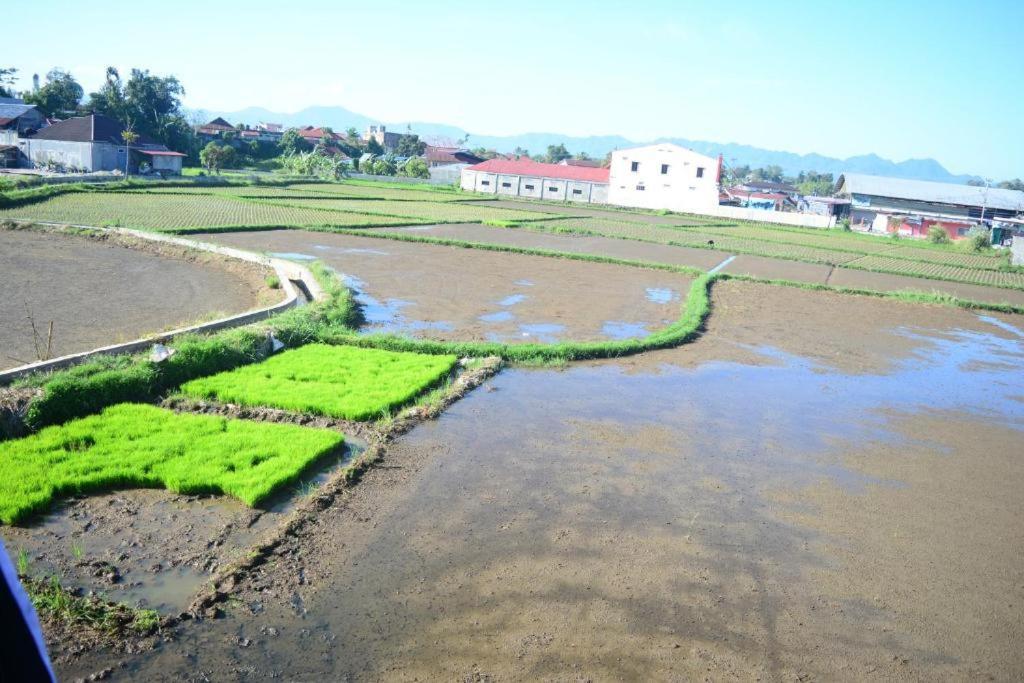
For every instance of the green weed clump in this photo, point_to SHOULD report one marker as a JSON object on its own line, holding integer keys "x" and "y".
{"x": 338, "y": 381}
{"x": 142, "y": 446}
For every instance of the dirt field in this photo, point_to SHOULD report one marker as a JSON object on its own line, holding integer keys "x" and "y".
{"x": 808, "y": 492}
{"x": 97, "y": 293}
{"x": 467, "y": 294}
{"x": 573, "y": 244}
{"x": 583, "y": 210}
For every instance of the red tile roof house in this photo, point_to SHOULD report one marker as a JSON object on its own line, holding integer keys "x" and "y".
{"x": 532, "y": 179}
{"x": 94, "y": 143}
{"x": 444, "y": 156}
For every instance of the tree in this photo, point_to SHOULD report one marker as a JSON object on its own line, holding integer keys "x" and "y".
{"x": 416, "y": 168}
{"x": 373, "y": 147}
{"x": 292, "y": 143}
{"x": 215, "y": 157}
{"x": 410, "y": 145}
{"x": 7, "y": 81}
{"x": 976, "y": 182}
{"x": 521, "y": 152}
{"x": 1015, "y": 184}
{"x": 771, "y": 173}
{"x": 556, "y": 153}
{"x": 130, "y": 137}
{"x": 145, "y": 103}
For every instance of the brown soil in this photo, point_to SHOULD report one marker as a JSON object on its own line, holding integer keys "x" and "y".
{"x": 851, "y": 333}
{"x": 584, "y": 210}
{"x": 704, "y": 259}
{"x": 862, "y": 279}
{"x": 442, "y": 292}
{"x": 836, "y": 512}
{"x": 776, "y": 269}
{"x": 99, "y": 291}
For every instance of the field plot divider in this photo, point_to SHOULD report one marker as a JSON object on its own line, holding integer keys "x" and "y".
{"x": 286, "y": 272}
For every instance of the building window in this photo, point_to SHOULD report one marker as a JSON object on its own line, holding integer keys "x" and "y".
{"x": 664, "y": 169}
{"x": 635, "y": 166}
{"x": 485, "y": 182}
{"x": 700, "y": 171}
{"x": 961, "y": 232}
{"x": 640, "y": 187}
{"x": 506, "y": 184}
{"x": 552, "y": 189}
{"x": 577, "y": 191}
{"x": 527, "y": 187}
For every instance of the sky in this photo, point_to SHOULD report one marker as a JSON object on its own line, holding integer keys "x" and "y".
{"x": 899, "y": 78}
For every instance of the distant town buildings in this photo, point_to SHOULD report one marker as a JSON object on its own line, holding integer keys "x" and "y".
{"x": 913, "y": 207}
{"x": 664, "y": 176}
{"x": 526, "y": 178}
{"x": 380, "y": 134}
{"x": 95, "y": 143}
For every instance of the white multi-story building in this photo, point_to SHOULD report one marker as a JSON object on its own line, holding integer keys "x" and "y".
{"x": 664, "y": 176}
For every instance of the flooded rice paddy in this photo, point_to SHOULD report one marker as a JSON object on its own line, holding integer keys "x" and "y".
{"x": 460, "y": 294}
{"x": 806, "y": 492}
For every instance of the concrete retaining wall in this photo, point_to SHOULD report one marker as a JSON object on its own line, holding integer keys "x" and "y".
{"x": 806, "y": 220}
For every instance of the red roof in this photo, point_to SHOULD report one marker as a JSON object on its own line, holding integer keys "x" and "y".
{"x": 535, "y": 168}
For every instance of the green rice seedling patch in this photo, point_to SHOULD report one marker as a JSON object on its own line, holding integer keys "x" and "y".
{"x": 142, "y": 446}
{"x": 161, "y": 211}
{"x": 993, "y": 261}
{"x": 377, "y": 192}
{"x": 339, "y": 381}
{"x": 938, "y": 271}
{"x": 437, "y": 212}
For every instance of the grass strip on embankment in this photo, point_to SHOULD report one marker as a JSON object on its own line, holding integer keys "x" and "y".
{"x": 337, "y": 381}
{"x": 88, "y": 388}
{"x": 142, "y": 446}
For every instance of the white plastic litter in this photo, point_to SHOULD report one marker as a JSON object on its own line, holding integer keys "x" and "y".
{"x": 160, "y": 353}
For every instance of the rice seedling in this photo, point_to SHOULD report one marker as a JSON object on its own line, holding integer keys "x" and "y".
{"x": 339, "y": 381}
{"x": 142, "y": 446}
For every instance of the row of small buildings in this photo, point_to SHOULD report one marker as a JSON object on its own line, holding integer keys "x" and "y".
{"x": 669, "y": 177}
{"x": 81, "y": 144}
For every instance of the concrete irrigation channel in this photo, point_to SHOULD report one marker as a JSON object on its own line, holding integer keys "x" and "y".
{"x": 823, "y": 486}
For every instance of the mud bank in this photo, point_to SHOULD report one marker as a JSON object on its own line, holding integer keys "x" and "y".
{"x": 583, "y": 210}
{"x": 99, "y": 292}
{"x": 776, "y": 516}
{"x": 452, "y": 293}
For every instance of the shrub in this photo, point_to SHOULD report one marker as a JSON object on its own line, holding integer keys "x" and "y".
{"x": 938, "y": 235}
{"x": 979, "y": 239}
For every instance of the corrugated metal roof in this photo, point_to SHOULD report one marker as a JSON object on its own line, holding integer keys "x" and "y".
{"x": 13, "y": 111}
{"x": 535, "y": 168}
{"x": 926, "y": 191}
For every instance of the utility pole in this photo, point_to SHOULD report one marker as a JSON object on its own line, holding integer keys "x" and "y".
{"x": 129, "y": 136}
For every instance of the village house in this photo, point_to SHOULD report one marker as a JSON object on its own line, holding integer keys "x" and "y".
{"x": 214, "y": 130}
{"x": 664, "y": 176}
{"x": 19, "y": 118}
{"x": 95, "y": 143}
{"x": 526, "y": 178}
{"x": 384, "y": 138}
{"x": 913, "y": 207}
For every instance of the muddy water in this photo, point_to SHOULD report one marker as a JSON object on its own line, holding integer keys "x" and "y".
{"x": 153, "y": 548}
{"x": 464, "y": 294}
{"x": 98, "y": 294}
{"x": 779, "y": 516}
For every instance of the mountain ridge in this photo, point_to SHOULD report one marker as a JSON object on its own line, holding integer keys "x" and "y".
{"x": 736, "y": 154}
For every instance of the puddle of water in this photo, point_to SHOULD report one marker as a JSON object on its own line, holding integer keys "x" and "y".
{"x": 386, "y": 316}
{"x": 524, "y": 283}
{"x": 499, "y": 317}
{"x": 1005, "y": 326}
{"x": 292, "y": 256}
{"x": 660, "y": 295}
{"x": 616, "y": 329}
{"x": 350, "y": 250}
{"x": 512, "y": 300}
{"x": 543, "y": 332}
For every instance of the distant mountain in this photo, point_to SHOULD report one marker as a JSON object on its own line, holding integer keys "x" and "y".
{"x": 340, "y": 119}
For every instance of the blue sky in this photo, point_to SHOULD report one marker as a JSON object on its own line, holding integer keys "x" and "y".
{"x": 902, "y": 79}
